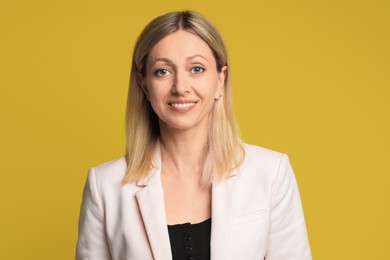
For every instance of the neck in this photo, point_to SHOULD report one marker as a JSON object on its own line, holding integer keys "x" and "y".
{"x": 183, "y": 152}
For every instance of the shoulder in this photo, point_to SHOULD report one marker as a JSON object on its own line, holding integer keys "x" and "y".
{"x": 262, "y": 156}
{"x": 265, "y": 173}
{"x": 110, "y": 172}
{"x": 116, "y": 167}
{"x": 257, "y": 151}
{"x": 262, "y": 163}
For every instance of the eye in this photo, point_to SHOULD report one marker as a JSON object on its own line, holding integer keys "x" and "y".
{"x": 162, "y": 72}
{"x": 197, "y": 70}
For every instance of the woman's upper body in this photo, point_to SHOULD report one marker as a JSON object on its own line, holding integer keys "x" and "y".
{"x": 256, "y": 213}
{"x": 185, "y": 161}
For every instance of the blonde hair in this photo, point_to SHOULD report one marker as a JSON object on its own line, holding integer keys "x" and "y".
{"x": 225, "y": 151}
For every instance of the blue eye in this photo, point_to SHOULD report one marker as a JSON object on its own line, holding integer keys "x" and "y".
{"x": 162, "y": 72}
{"x": 197, "y": 70}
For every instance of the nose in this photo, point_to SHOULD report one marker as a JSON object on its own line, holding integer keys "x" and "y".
{"x": 181, "y": 84}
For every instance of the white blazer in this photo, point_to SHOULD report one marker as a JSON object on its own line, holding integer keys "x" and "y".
{"x": 256, "y": 213}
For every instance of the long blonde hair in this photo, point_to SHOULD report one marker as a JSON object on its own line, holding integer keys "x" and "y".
{"x": 225, "y": 151}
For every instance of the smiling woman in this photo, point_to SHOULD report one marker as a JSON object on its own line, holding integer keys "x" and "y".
{"x": 188, "y": 188}
{"x": 182, "y": 82}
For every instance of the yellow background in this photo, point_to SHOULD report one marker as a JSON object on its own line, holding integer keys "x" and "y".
{"x": 310, "y": 78}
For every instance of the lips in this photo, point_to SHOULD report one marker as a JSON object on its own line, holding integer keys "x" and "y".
{"x": 182, "y": 105}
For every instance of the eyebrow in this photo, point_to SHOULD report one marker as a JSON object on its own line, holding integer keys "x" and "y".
{"x": 171, "y": 63}
{"x": 195, "y": 56}
{"x": 162, "y": 59}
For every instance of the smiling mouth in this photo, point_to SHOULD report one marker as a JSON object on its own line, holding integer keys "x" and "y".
{"x": 182, "y": 105}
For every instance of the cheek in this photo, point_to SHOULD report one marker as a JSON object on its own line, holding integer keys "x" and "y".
{"x": 156, "y": 90}
{"x": 157, "y": 97}
{"x": 210, "y": 87}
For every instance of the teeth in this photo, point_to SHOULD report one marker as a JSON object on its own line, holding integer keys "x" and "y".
{"x": 182, "y": 105}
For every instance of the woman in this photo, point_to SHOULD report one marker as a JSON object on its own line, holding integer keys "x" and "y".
{"x": 185, "y": 165}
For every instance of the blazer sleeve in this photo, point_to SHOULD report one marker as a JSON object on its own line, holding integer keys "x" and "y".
{"x": 288, "y": 239}
{"x": 92, "y": 242}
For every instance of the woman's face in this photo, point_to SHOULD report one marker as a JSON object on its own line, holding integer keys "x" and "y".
{"x": 182, "y": 81}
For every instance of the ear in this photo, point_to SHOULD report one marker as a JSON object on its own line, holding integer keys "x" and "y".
{"x": 142, "y": 84}
{"x": 221, "y": 82}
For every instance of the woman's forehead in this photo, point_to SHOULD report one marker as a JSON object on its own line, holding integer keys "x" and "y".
{"x": 180, "y": 45}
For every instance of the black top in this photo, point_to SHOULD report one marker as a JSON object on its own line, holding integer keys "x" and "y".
{"x": 190, "y": 241}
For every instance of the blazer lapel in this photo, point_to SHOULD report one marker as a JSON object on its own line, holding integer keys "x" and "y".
{"x": 222, "y": 212}
{"x": 151, "y": 203}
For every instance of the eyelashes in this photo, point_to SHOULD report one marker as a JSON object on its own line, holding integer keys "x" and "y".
{"x": 165, "y": 72}
{"x": 162, "y": 72}
{"x": 197, "y": 70}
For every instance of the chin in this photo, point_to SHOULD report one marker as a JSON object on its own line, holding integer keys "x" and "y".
{"x": 182, "y": 126}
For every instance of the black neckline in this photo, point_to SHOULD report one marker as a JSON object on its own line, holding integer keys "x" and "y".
{"x": 189, "y": 225}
